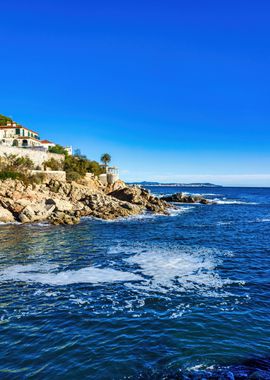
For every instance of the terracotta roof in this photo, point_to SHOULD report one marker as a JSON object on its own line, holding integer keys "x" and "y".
{"x": 15, "y": 127}
{"x": 46, "y": 142}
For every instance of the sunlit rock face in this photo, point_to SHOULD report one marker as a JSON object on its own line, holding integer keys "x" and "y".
{"x": 64, "y": 203}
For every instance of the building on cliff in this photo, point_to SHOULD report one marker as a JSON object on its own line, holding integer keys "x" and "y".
{"x": 15, "y": 135}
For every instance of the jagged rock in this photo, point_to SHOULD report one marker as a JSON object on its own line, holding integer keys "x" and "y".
{"x": 184, "y": 198}
{"x": 139, "y": 196}
{"x": 105, "y": 207}
{"x": 6, "y": 216}
{"x": 117, "y": 185}
{"x": 35, "y": 213}
{"x": 65, "y": 203}
{"x": 60, "y": 204}
{"x": 63, "y": 218}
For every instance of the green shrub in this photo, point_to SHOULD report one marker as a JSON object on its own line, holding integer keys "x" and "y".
{"x": 26, "y": 179}
{"x": 10, "y": 174}
{"x": 73, "y": 176}
{"x": 81, "y": 166}
{"x": 14, "y": 167}
{"x": 53, "y": 164}
{"x": 11, "y": 162}
{"x": 37, "y": 178}
{"x": 58, "y": 149}
{"x": 95, "y": 168}
{"x": 4, "y": 120}
{"x": 76, "y": 164}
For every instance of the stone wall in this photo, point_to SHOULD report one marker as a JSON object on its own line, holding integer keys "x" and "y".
{"x": 38, "y": 157}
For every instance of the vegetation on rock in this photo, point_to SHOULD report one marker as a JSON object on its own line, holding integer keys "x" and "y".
{"x": 53, "y": 164}
{"x": 4, "y": 120}
{"x": 75, "y": 166}
{"x": 58, "y": 149}
{"x": 14, "y": 167}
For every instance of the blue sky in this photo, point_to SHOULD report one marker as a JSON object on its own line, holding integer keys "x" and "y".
{"x": 175, "y": 90}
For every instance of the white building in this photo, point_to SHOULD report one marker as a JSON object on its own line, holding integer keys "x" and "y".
{"x": 16, "y": 135}
{"x": 13, "y": 134}
{"x": 69, "y": 150}
{"x": 47, "y": 144}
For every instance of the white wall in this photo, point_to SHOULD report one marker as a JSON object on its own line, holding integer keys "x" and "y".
{"x": 38, "y": 157}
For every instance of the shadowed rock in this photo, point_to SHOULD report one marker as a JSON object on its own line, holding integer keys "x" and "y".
{"x": 184, "y": 198}
{"x": 139, "y": 196}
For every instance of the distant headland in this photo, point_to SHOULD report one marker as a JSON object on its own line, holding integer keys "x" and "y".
{"x": 195, "y": 184}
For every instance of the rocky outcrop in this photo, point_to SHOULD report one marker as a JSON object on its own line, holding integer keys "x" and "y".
{"x": 36, "y": 213}
{"x": 141, "y": 197}
{"x": 184, "y": 198}
{"x": 6, "y": 216}
{"x": 65, "y": 203}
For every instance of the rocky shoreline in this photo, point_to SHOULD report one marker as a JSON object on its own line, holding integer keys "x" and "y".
{"x": 65, "y": 203}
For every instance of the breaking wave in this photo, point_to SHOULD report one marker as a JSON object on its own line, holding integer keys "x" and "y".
{"x": 225, "y": 201}
{"x": 46, "y": 274}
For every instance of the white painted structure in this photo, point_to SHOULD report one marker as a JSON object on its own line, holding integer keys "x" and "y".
{"x": 15, "y": 135}
{"x": 38, "y": 157}
{"x": 111, "y": 175}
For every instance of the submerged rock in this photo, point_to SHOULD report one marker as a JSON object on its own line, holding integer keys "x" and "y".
{"x": 185, "y": 198}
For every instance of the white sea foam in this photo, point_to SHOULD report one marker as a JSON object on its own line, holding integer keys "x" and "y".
{"x": 148, "y": 269}
{"x": 179, "y": 269}
{"x": 225, "y": 201}
{"x": 211, "y": 194}
{"x": 263, "y": 220}
{"x": 205, "y": 194}
{"x": 224, "y": 223}
{"x": 147, "y": 215}
{"x": 8, "y": 223}
{"x": 47, "y": 274}
{"x": 179, "y": 210}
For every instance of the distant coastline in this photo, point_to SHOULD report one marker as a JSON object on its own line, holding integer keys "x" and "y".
{"x": 146, "y": 183}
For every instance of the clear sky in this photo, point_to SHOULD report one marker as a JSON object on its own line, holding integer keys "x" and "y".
{"x": 175, "y": 90}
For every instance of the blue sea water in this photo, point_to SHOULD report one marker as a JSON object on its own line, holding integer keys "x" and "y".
{"x": 185, "y": 296}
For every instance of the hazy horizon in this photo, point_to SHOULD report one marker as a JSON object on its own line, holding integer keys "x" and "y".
{"x": 225, "y": 180}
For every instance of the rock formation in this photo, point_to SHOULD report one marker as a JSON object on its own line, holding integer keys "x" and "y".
{"x": 65, "y": 203}
{"x": 141, "y": 197}
{"x": 184, "y": 198}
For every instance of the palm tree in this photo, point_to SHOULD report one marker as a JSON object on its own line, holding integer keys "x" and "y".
{"x": 106, "y": 159}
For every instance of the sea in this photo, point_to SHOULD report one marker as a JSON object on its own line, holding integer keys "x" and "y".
{"x": 182, "y": 296}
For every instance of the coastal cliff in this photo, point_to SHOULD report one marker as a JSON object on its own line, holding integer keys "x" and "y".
{"x": 65, "y": 203}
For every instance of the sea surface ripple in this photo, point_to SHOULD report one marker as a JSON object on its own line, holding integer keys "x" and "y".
{"x": 184, "y": 296}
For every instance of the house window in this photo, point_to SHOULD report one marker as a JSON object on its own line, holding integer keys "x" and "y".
{"x": 17, "y": 131}
{"x": 29, "y": 134}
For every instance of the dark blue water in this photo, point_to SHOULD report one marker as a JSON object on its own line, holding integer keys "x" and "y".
{"x": 184, "y": 296}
